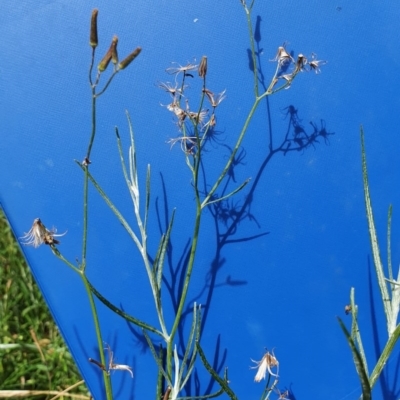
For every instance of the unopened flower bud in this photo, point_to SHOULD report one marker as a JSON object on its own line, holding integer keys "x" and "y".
{"x": 203, "y": 67}
{"x": 114, "y": 53}
{"x": 94, "y": 41}
{"x": 109, "y": 55}
{"x": 125, "y": 62}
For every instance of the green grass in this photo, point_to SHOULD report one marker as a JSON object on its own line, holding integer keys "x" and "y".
{"x": 33, "y": 356}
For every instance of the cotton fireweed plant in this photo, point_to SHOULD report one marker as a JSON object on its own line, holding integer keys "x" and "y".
{"x": 196, "y": 124}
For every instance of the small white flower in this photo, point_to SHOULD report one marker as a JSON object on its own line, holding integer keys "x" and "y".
{"x": 265, "y": 364}
{"x": 39, "y": 234}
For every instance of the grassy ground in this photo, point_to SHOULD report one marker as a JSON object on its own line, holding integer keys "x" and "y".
{"x": 33, "y": 356}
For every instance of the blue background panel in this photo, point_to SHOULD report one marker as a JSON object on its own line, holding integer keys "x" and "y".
{"x": 281, "y": 290}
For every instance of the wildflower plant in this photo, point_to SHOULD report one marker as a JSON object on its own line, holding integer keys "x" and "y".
{"x": 196, "y": 124}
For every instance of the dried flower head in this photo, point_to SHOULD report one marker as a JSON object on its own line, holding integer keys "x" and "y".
{"x": 265, "y": 364}
{"x": 198, "y": 118}
{"x": 172, "y": 90}
{"x": 288, "y": 78}
{"x": 179, "y": 112}
{"x": 316, "y": 64}
{"x": 212, "y": 122}
{"x": 188, "y": 143}
{"x": 283, "y": 395}
{"x": 300, "y": 62}
{"x": 282, "y": 56}
{"x": 111, "y": 364}
{"x": 177, "y": 70}
{"x": 215, "y": 99}
{"x": 39, "y": 234}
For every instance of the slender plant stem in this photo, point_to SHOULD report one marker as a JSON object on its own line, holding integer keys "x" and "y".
{"x": 253, "y": 51}
{"x": 86, "y": 179}
{"x": 232, "y": 157}
{"x": 106, "y": 376}
{"x": 92, "y": 136}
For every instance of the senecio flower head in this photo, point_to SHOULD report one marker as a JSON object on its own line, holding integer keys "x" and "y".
{"x": 265, "y": 364}
{"x": 39, "y": 234}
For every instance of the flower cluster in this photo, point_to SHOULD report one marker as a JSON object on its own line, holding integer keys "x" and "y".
{"x": 200, "y": 122}
{"x": 286, "y": 61}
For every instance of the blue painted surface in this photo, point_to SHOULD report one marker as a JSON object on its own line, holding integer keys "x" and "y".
{"x": 282, "y": 290}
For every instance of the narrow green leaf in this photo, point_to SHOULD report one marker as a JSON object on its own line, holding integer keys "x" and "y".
{"x": 192, "y": 337}
{"x": 163, "y": 250}
{"x": 158, "y": 361}
{"x": 238, "y": 189}
{"x": 206, "y": 396}
{"x": 113, "y": 208}
{"x": 366, "y": 389}
{"x": 387, "y": 351}
{"x": 121, "y": 156}
{"x": 389, "y": 250}
{"x": 132, "y": 164}
{"x": 123, "y": 314}
{"x": 147, "y": 204}
{"x": 355, "y": 331}
{"x": 222, "y": 382}
{"x": 374, "y": 240}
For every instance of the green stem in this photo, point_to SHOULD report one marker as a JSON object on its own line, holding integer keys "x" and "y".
{"x": 234, "y": 151}
{"x": 88, "y": 288}
{"x": 253, "y": 51}
{"x": 93, "y": 124}
{"x": 86, "y": 178}
{"x": 106, "y": 376}
{"x": 186, "y": 281}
